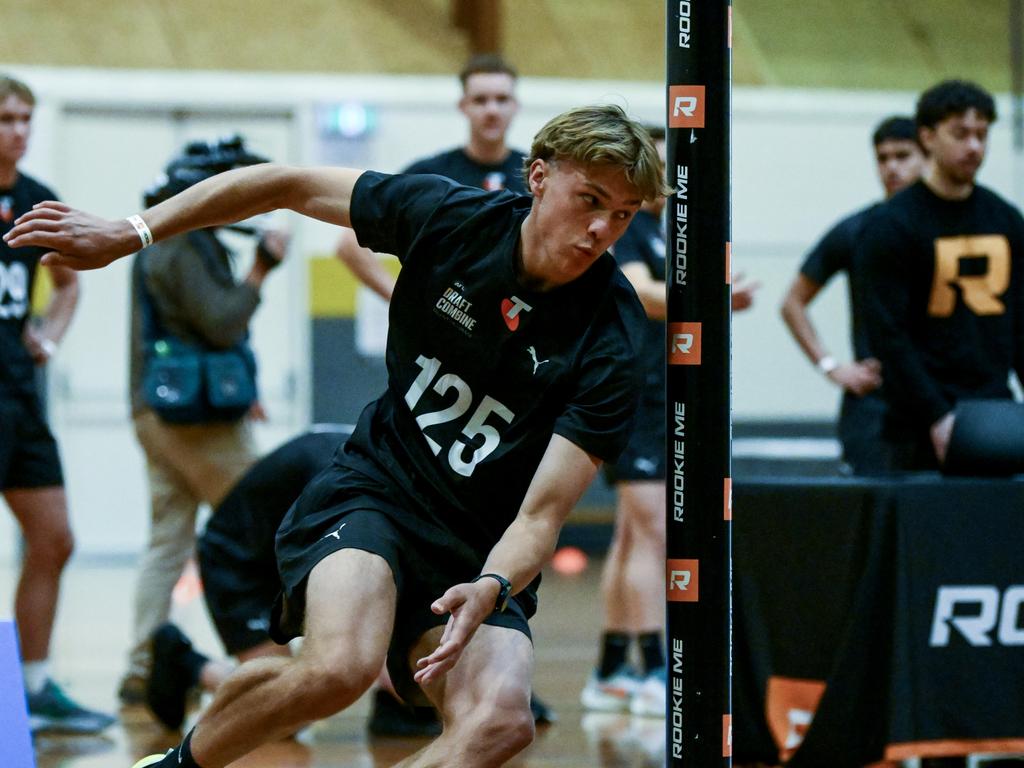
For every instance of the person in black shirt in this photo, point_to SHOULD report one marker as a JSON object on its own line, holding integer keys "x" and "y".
{"x": 485, "y": 161}
{"x": 900, "y": 160}
{"x": 942, "y": 270}
{"x": 30, "y": 470}
{"x": 512, "y": 375}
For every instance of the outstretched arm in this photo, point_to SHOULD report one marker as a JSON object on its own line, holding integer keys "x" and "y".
{"x": 81, "y": 240}
{"x": 563, "y": 475}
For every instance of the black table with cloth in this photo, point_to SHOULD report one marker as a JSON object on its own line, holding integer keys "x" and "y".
{"x": 877, "y": 619}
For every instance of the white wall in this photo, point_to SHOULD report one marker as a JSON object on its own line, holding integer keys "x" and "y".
{"x": 801, "y": 160}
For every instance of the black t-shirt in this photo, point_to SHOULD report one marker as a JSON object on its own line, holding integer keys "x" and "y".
{"x": 251, "y": 513}
{"x": 482, "y": 371}
{"x": 835, "y": 253}
{"x": 17, "y": 276}
{"x": 644, "y": 242}
{"x": 943, "y": 286}
{"x": 455, "y": 164}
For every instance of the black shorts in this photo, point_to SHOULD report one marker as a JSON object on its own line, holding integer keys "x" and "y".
{"x": 644, "y": 455}
{"x": 327, "y": 518}
{"x": 240, "y": 585}
{"x": 28, "y": 452}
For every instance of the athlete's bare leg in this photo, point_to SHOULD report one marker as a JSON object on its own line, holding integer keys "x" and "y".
{"x": 633, "y": 578}
{"x": 484, "y": 701}
{"x": 350, "y": 611}
{"x": 216, "y": 671}
{"x": 42, "y": 514}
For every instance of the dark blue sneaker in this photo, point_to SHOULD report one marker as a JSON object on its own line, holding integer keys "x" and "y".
{"x": 52, "y": 711}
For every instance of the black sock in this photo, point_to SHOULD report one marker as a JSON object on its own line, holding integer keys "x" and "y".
{"x": 614, "y": 647}
{"x": 652, "y": 654}
{"x": 181, "y": 757}
{"x": 193, "y": 662}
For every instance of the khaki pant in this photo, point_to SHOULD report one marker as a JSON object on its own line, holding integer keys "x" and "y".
{"x": 187, "y": 465}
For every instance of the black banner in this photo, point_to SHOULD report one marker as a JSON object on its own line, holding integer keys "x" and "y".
{"x": 698, "y": 568}
{"x": 878, "y": 620}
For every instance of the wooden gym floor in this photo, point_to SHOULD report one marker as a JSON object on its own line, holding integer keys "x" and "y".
{"x": 92, "y": 637}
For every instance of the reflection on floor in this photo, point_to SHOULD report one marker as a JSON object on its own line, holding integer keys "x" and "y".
{"x": 91, "y": 645}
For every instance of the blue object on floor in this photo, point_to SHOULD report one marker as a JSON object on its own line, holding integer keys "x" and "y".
{"x": 15, "y": 739}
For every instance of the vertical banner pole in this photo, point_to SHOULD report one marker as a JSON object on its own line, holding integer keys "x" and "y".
{"x": 699, "y": 509}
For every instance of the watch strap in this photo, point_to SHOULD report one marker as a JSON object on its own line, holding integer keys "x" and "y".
{"x": 504, "y": 593}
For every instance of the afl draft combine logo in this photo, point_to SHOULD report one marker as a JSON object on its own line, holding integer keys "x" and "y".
{"x": 686, "y": 106}
{"x": 684, "y": 343}
{"x": 510, "y": 309}
{"x": 682, "y": 580}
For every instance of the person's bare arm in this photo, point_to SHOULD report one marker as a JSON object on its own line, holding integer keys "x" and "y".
{"x": 81, "y": 240}
{"x": 859, "y": 377}
{"x": 651, "y": 292}
{"x": 365, "y": 265}
{"x": 563, "y": 475}
{"x": 42, "y": 340}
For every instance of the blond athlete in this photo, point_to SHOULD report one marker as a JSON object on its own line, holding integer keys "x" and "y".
{"x": 512, "y": 376}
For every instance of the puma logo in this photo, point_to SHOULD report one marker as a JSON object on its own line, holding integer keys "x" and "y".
{"x": 336, "y": 534}
{"x": 536, "y": 363}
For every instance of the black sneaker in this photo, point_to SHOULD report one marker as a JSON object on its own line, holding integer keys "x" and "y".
{"x": 542, "y": 713}
{"x": 391, "y": 717}
{"x": 171, "y": 678}
{"x": 53, "y": 711}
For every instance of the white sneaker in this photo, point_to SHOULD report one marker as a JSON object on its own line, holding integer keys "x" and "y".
{"x": 649, "y": 699}
{"x": 609, "y": 694}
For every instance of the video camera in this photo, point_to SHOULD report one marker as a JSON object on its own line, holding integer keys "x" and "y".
{"x": 200, "y": 160}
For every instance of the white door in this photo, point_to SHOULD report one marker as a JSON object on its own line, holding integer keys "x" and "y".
{"x": 106, "y": 158}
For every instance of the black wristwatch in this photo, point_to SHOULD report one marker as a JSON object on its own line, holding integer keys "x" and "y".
{"x": 503, "y": 594}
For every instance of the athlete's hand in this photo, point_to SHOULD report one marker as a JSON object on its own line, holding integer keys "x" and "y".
{"x": 272, "y": 247}
{"x": 860, "y": 377}
{"x": 743, "y": 291}
{"x": 73, "y": 238}
{"x": 469, "y": 605}
{"x": 40, "y": 348}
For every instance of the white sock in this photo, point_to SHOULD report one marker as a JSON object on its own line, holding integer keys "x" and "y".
{"x": 36, "y": 673}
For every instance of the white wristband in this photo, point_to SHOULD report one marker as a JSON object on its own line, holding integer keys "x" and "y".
{"x": 827, "y": 364}
{"x": 140, "y": 226}
{"x": 49, "y": 346}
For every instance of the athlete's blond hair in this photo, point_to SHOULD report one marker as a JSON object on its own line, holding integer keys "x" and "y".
{"x": 603, "y": 135}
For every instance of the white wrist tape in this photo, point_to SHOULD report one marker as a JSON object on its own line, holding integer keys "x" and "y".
{"x": 140, "y": 226}
{"x": 827, "y": 364}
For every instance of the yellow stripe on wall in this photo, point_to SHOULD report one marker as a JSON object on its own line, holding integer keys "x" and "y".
{"x": 42, "y": 291}
{"x": 333, "y": 287}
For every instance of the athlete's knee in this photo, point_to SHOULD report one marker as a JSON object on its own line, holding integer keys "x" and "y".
{"x": 510, "y": 730}
{"x": 51, "y": 551}
{"x": 501, "y": 726}
{"x": 331, "y": 684}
